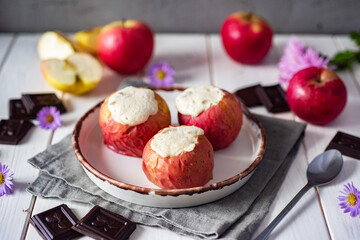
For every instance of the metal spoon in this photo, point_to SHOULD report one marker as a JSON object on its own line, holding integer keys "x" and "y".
{"x": 324, "y": 168}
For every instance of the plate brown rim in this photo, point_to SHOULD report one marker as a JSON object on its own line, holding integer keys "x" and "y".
{"x": 167, "y": 192}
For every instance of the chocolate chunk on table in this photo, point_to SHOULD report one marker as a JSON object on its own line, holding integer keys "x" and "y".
{"x": 100, "y": 223}
{"x": 55, "y": 223}
{"x": 249, "y": 96}
{"x": 17, "y": 110}
{"x": 13, "y": 130}
{"x": 35, "y": 102}
{"x": 347, "y": 144}
{"x": 273, "y": 98}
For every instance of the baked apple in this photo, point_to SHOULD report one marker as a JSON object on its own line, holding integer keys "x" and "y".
{"x": 214, "y": 110}
{"x": 130, "y": 117}
{"x": 178, "y": 157}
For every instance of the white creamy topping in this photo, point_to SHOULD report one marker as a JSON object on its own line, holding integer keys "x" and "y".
{"x": 132, "y": 106}
{"x": 194, "y": 101}
{"x": 172, "y": 141}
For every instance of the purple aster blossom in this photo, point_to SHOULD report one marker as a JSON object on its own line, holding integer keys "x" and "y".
{"x": 49, "y": 118}
{"x": 297, "y": 57}
{"x": 350, "y": 200}
{"x": 161, "y": 74}
{"x": 5, "y": 180}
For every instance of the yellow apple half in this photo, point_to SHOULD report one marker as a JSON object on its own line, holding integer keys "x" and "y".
{"x": 77, "y": 74}
{"x": 88, "y": 39}
{"x": 55, "y": 44}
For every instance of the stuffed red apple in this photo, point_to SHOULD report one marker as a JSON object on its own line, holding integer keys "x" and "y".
{"x": 316, "y": 95}
{"x": 178, "y": 157}
{"x": 130, "y": 117}
{"x": 125, "y": 46}
{"x": 246, "y": 37}
{"x": 214, "y": 110}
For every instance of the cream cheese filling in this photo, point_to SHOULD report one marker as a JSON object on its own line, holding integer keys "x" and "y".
{"x": 132, "y": 106}
{"x": 194, "y": 101}
{"x": 173, "y": 141}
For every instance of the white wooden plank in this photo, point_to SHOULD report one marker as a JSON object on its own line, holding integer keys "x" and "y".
{"x": 19, "y": 74}
{"x": 341, "y": 225}
{"x": 5, "y": 45}
{"x": 187, "y": 55}
{"x": 231, "y": 76}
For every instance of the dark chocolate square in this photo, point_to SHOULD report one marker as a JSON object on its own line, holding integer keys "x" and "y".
{"x": 273, "y": 98}
{"x": 17, "y": 110}
{"x": 35, "y": 102}
{"x": 100, "y": 223}
{"x": 13, "y": 130}
{"x": 55, "y": 223}
{"x": 347, "y": 144}
{"x": 248, "y": 96}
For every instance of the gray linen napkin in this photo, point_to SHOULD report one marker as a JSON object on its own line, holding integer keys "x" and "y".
{"x": 233, "y": 217}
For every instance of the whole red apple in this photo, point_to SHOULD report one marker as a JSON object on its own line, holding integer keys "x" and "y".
{"x": 221, "y": 122}
{"x": 246, "y": 37}
{"x": 125, "y": 46}
{"x": 316, "y": 95}
{"x": 185, "y": 159}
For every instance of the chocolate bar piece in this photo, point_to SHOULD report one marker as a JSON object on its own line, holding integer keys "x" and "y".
{"x": 55, "y": 223}
{"x": 347, "y": 144}
{"x": 13, "y": 130}
{"x": 100, "y": 223}
{"x": 35, "y": 102}
{"x": 17, "y": 110}
{"x": 273, "y": 98}
{"x": 248, "y": 96}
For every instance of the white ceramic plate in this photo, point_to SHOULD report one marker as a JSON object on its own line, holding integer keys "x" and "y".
{"x": 122, "y": 176}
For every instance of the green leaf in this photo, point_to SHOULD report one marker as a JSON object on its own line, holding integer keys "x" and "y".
{"x": 345, "y": 59}
{"x": 358, "y": 57}
{"x": 356, "y": 37}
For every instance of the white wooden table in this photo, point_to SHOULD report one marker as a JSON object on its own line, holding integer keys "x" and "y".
{"x": 198, "y": 60}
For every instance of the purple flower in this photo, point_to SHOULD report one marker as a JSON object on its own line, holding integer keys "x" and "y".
{"x": 161, "y": 74}
{"x": 297, "y": 57}
{"x": 5, "y": 180}
{"x": 350, "y": 200}
{"x": 49, "y": 118}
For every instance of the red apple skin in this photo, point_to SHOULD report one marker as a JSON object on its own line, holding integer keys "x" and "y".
{"x": 221, "y": 123}
{"x": 246, "y": 37}
{"x": 126, "y": 46}
{"x": 316, "y": 95}
{"x": 186, "y": 170}
{"x": 131, "y": 140}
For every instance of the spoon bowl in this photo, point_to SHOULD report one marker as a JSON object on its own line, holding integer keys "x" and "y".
{"x": 324, "y": 168}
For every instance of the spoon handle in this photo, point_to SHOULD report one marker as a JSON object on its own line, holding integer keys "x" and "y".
{"x": 264, "y": 235}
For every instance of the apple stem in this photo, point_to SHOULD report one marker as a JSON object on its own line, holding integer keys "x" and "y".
{"x": 123, "y": 20}
{"x": 248, "y": 15}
